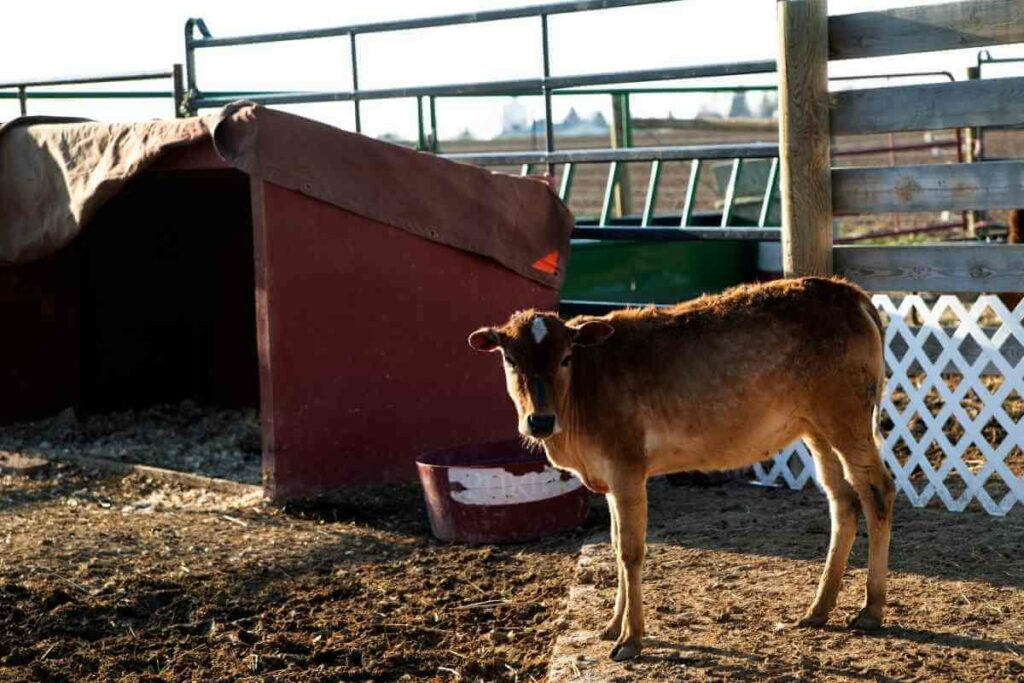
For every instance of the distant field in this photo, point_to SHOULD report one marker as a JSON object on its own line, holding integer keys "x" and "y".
{"x": 589, "y": 181}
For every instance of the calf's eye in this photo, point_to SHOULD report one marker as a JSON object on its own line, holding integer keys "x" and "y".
{"x": 509, "y": 362}
{"x": 566, "y": 361}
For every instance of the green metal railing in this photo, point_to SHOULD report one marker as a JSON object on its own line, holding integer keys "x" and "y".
{"x": 758, "y": 159}
{"x": 24, "y": 91}
{"x": 22, "y": 88}
{"x": 626, "y": 93}
{"x": 198, "y": 36}
{"x": 189, "y": 98}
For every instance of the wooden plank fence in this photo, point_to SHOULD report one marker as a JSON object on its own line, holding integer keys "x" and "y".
{"x": 807, "y": 212}
{"x": 949, "y": 363}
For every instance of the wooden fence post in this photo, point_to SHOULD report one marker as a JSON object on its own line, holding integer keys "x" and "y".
{"x": 804, "y": 138}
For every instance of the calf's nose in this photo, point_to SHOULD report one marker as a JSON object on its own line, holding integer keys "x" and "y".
{"x": 540, "y": 425}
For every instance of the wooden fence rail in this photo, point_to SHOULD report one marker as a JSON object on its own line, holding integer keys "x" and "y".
{"x": 931, "y": 106}
{"x": 928, "y": 187}
{"x": 927, "y": 28}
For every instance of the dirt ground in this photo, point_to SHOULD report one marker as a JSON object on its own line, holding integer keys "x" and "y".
{"x": 726, "y": 565}
{"x": 126, "y": 578}
{"x": 120, "y": 578}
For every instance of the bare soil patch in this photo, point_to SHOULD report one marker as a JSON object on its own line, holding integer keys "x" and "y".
{"x": 123, "y": 578}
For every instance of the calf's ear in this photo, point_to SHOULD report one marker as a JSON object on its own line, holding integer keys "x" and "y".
{"x": 592, "y": 332}
{"x": 485, "y": 339}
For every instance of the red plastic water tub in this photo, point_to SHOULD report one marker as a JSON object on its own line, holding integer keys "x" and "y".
{"x": 498, "y": 492}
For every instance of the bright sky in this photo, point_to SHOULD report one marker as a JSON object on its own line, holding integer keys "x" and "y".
{"x": 49, "y": 38}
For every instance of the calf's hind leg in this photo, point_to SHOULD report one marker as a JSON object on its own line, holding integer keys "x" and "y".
{"x": 864, "y": 470}
{"x": 628, "y": 494}
{"x": 843, "y": 504}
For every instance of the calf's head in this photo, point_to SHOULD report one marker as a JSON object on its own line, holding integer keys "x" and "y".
{"x": 538, "y": 353}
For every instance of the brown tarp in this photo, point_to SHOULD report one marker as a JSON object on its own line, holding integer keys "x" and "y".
{"x": 55, "y": 174}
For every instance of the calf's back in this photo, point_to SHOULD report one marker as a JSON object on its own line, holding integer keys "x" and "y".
{"x": 723, "y": 381}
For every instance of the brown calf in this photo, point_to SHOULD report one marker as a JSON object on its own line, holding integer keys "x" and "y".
{"x": 716, "y": 383}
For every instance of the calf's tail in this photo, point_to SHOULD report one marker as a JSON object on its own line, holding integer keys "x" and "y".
{"x": 879, "y": 383}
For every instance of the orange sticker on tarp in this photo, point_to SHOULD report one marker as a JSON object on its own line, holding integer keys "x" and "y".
{"x": 548, "y": 264}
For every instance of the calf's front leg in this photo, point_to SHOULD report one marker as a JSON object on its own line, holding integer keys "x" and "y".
{"x": 614, "y": 627}
{"x": 628, "y": 496}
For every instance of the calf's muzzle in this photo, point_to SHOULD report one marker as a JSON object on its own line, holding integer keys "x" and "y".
{"x": 539, "y": 425}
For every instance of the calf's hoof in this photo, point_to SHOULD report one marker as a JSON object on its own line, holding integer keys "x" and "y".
{"x": 807, "y": 621}
{"x": 626, "y": 650}
{"x": 612, "y": 631}
{"x": 865, "y": 621}
{"x": 811, "y": 621}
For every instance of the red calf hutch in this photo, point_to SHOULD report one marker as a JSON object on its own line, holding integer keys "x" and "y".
{"x": 342, "y": 272}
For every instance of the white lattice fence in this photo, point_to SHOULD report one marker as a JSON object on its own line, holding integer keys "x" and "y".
{"x": 952, "y": 411}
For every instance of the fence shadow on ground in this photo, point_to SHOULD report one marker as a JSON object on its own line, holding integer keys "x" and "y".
{"x": 746, "y": 666}
{"x": 944, "y": 639}
{"x": 795, "y": 524}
